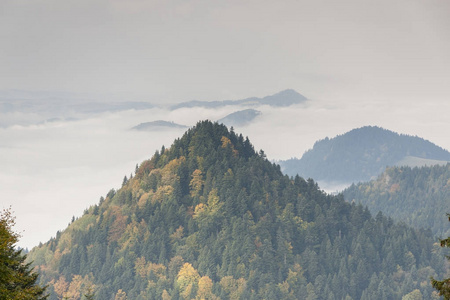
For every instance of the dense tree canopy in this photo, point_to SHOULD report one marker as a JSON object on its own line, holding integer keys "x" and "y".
{"x": 416, "y": 196}
{"x": 210, "y": 218}
{"x": 17, "y": 280}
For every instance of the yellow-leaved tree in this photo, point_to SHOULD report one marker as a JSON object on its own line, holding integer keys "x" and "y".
{"x": 187, "y": 280}
{"x": 233, "y": 287}
{"x": 196, "y": 183}
{"x": 211, "y": 210}
{"x": 120, "y": 295}
{"x": 204, "y": 291}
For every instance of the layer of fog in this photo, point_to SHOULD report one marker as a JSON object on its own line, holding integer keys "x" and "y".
{"x": 54, "y": 170}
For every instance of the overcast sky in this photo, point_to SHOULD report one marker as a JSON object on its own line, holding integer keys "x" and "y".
{"x": 382, "y": 63}
{"x": 211, "y": 50}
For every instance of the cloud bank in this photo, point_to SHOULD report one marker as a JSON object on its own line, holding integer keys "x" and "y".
{"x": 53, "y": 171}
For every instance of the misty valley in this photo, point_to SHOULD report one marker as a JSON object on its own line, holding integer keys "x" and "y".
{"x": 212, "y": 217}
{"x": 206, "y": 150}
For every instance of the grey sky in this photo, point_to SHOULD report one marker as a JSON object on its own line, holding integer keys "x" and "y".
{"x": 211, "y": 50}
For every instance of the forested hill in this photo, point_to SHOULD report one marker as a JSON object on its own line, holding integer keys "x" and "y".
{"x": 210, "y": 218}
{"x": 418, "y": 196}
{"x": 362, "y": 154}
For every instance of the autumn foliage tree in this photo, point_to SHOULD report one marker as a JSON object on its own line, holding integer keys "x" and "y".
{"x": 17, "y": 280}
{"x": 187, "y": 280}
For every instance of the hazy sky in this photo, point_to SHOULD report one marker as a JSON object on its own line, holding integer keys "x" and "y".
{"x": 382, "y": 63}
{"x": 210, "y": 50}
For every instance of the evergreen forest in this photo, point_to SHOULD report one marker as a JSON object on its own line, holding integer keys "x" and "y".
{"x": 417, "y": 196}
{"x": 211, "y": 218}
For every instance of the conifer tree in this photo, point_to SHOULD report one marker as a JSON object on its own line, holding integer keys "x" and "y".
{"x": 443, "y": 286}
{"x": 17, "y": 280}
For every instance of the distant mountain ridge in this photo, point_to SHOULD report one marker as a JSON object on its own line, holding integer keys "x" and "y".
{"x": 64, "y": 106}
{"x": 48, "y": 107}
{"x": 240, "y": 118}
{"x": 283, "y": 98}
{"x": 362, "y": 154}
{"x": 59, "y": 104}
{"x": 157, "y": 125}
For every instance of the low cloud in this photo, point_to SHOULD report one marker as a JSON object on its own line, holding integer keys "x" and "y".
{"x": 52, "y": 171}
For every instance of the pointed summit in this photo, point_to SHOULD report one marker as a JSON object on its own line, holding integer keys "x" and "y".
{"x": 210, "y": 139}
{"x": 284, "y": 98}
{"x": 209, "y": 218}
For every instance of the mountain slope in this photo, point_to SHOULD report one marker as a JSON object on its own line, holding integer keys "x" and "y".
{"x": 360, "y": 155}
{"x": 209, "y": 218}
{"x": 419, "y": 196}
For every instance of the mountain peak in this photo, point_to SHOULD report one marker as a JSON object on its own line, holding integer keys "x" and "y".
{"x": 208, "y": 142}
{"x": 361, "y": 154}
{"x": 240, "y": 118}
{"x": 208, "y": 218}
{"x": 284, "y": 98}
